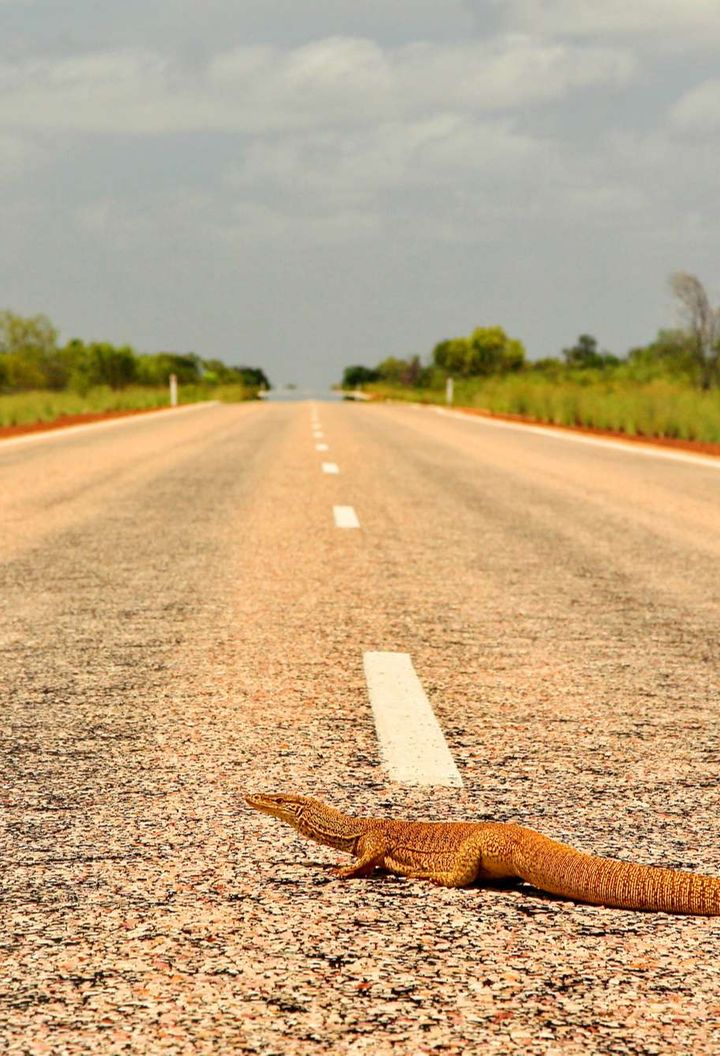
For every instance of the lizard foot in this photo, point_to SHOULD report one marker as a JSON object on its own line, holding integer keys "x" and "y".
{"x": 351, "y": 873}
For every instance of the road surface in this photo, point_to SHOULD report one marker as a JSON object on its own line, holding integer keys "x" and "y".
{"x": 182, "y": 618}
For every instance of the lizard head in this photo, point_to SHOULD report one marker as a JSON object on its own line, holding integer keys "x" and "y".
{"x": 309, "y": 817}
{"x": 287, "y": 808}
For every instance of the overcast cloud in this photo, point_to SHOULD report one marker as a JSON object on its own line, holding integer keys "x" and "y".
{"x": 301, "y": 185}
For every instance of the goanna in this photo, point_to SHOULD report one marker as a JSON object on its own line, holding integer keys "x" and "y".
{"x": 455, "y": 854}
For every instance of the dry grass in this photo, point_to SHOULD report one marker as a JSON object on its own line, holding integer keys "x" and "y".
{"x": 657, "y": 408}
{"x": 25, "y": 408}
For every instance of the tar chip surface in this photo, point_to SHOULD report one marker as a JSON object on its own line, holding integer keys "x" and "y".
{"x": 181, "y": 621}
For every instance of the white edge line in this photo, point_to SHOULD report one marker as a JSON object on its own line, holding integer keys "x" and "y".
{"x": 71, "y": 430}
{"x": 631, "y": 447}
{"x": 412, "y": 744}
{"x": 345, "y": 517}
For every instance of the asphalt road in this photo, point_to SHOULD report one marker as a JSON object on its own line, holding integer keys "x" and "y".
{"x": 181, "y": 620}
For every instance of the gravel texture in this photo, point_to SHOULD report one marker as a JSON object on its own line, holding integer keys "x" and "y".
{"x": 181, "y": 620}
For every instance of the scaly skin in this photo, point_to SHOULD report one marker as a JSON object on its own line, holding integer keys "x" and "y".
{"x": 455, "y": 854}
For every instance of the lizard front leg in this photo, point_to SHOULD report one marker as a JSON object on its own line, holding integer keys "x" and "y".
{"x": 370, "y": 851}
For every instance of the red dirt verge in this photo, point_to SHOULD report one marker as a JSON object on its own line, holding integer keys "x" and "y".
{"x": 699, "y": 447}
{"x": 72, "y": 419}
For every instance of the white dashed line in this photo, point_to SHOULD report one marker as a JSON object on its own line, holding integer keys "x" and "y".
{"x": 345, "y": 517}
{"x": 412, "y": 744}
{"x": 330, "y": 467}
{"x": 321, "y": 447}
{"x": 67, "y": 432}
{"x": 318, "y": 434}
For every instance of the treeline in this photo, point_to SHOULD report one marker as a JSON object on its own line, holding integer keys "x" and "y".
{"x": 690, "y": 354}
{"x": 31, "y": 358}
{"x": 488, "y": 352}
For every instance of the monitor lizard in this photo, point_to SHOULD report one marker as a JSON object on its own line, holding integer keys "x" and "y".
{"x": 455, "y": 854}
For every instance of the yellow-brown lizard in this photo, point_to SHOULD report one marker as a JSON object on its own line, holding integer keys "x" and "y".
{"x": 455, "y": 854}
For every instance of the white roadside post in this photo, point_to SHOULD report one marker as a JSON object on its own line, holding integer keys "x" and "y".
{"x": 173, "y": 390}
{"x": 449, "y": 386}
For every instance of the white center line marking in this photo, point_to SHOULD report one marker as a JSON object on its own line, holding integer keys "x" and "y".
{"x": 321, "y": 447}
{"x": 345, "y": 517}
{"x": 412, "y": 744}
{"x": 318, "y": 434}
{"x": 330, "y": 467}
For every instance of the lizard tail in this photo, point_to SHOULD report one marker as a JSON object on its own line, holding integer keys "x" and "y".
{"x": 561, "y": 870}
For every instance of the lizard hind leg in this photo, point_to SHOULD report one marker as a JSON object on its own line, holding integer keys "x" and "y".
{"x": 479, "y": 857}
{"x": 457, "y": 869}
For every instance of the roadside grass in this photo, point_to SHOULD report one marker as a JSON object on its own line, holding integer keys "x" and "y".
{"x": 660, "y": 408}
{"x": 26, "y": 408}
{"x": 226, "y": 393}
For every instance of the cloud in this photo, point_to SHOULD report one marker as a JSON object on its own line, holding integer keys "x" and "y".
{"x": 434, "y": 152}
{"x": 699, "y": 109}
{"x": 198, "y": 29}
{"x": 259, "y": 89}
{"x": 263, "y": 177}
{"x": 461, "y": 179}
{"x": 679, "y": 22}
{"x": 18, "y": 153}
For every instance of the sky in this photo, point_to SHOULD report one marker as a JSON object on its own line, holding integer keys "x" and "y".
{"x": 306, "y": 184}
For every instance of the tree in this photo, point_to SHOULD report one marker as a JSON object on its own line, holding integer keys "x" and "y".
{"x": 358, "y": 375}
{"x": 116, "y": 367}
{"x": 703, "y": 322}
{"x": 215, "y": 372}
{"x": 493, "y": 352}
{"x": 670, "y": 353}
{"x": 76, "y": 359}
{"x": 452, "y": 355}
{"x": 547, "y": 365}
{"x": 413, "y": 372}
{"x": 156, "y": 369}
{"x": 29, "y": 352}
{"x": 253, "y": 377}
{"x": 584, "y": 354}
{"x": 32, "y": 335}
{"x": 392, "y": 369}
{"x": 488, "y": 350}
{"x": 98, "y": 363}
